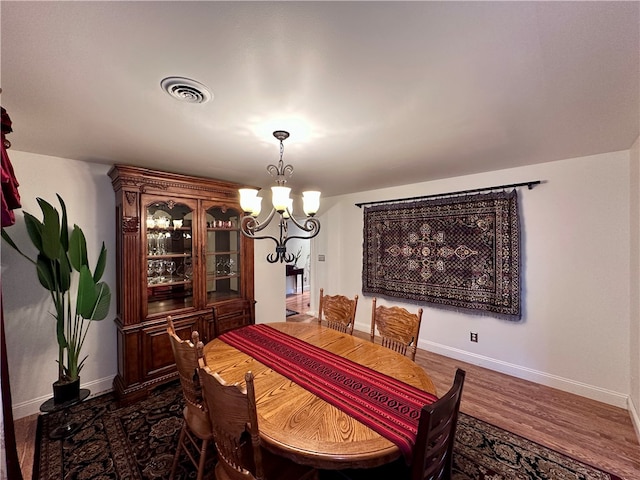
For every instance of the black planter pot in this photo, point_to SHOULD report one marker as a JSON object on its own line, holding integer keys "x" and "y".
{"x": 66, "y": 391}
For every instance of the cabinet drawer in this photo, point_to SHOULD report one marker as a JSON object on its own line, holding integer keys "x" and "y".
{"x": 157, "y": 355}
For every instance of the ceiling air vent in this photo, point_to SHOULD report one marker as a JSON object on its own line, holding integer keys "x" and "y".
{"x": 186, "y": 90}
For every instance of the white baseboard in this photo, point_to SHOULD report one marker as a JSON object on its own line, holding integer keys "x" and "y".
{"x": 635, "y": 417}
{"x": 30, "y": 407}
{"x": 565, "y": 384}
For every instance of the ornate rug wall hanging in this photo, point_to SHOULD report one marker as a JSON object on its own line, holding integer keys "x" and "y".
{"x": 459, "y": 252}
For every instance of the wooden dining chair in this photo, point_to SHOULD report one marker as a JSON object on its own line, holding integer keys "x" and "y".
{"x": 433, "y": 451}
{"x": 432, "y": 456}
{"x": 397, "y": 327}
{"x": 338, "y": 311}
{"x": 232, "y": 412}
{"x": 232, "y": 315}
{"x": 196, "y": 433}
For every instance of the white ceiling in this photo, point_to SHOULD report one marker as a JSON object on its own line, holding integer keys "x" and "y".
{"x": 374, "y": 94}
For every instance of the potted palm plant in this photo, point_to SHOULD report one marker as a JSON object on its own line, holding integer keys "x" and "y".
{"x": 62, "y": 264}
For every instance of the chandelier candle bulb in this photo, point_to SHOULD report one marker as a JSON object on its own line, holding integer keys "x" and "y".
{"x": 280, "y": 198}
{"x": 311, "y": 202}
{"x": 247, "y": 199}
{"x": 257, "y": 206}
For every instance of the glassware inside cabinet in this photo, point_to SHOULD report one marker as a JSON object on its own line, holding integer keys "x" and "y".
{"x": 169, "y": 256}
{"x": 222, "y": 254}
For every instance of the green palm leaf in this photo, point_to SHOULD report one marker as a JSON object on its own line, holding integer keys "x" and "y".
{"x": 78, "y": 249}
{"x": 50, "y": 231}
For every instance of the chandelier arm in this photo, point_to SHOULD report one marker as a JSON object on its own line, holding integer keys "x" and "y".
{"x": 287, "y": 257}
{"x": 313, "y": 230}
{"x": 274, "y": 256}
{"x": 281, "y": 250}
{"x": 249, "y": 225}
{"x": 309, "y": 225}
{"x": 263, "y": 237}
{"x": 301, "y": 237}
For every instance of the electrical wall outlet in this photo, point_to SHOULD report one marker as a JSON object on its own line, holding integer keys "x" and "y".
{"x": 321, "y": 258}
{"x": 473, "y": 336}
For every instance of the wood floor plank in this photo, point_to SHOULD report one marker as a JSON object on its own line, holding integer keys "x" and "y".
{"x": 25, "y": 440}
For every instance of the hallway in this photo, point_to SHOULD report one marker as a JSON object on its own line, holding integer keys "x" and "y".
{"x": 298, "y": 302}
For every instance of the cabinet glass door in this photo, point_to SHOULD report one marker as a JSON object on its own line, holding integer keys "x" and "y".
{"x": 169, "y": 262}
{"x": 222, "y": 254}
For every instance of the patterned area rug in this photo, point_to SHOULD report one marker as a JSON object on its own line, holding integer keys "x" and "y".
{"x": 486, "y": 452}
{"x": 137, "y": 442}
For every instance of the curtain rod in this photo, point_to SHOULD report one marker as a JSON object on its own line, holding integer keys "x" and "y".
{"x": 529, "y": 185}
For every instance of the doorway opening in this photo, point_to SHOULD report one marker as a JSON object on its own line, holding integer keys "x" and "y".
{"x": 298, "y": 279}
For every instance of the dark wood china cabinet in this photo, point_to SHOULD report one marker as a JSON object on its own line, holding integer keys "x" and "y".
{"x": 180, "y": 252}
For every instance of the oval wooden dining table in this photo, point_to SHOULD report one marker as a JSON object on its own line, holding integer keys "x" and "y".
{"x": 297, "y": 424}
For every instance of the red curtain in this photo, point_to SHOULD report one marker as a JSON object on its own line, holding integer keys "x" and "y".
{"x": 10, "y": 201}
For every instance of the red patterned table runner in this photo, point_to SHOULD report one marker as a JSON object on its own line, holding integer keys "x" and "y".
{"x": 386, "y": 405}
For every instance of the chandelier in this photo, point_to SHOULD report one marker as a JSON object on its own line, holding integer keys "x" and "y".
{"x": 283, "y": 206}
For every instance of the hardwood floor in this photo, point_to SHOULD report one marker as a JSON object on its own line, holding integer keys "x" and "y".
{"x": 298, "y": 302}
{"x": 593, "y": 432}
{"x": 590, "y": 431}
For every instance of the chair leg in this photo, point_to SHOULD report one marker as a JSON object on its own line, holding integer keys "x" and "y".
{"x": 203, "y": 457}
{"x": 176, "y": 457}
